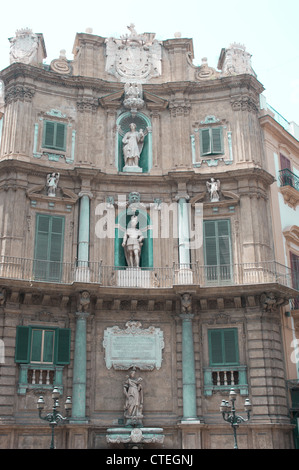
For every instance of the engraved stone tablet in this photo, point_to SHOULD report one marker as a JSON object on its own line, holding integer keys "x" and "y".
{"x": 133, "y": 347}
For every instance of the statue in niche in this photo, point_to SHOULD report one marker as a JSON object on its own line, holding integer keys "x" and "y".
{"x": 134, "y": 399}
{"x": 52, "y": 183}
{"x": 133, "y": 144}
{"x": 213, "y": 188}
{"x": 132, "y": 243}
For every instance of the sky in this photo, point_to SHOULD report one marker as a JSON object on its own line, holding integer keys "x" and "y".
{"x": 268, "y": 29}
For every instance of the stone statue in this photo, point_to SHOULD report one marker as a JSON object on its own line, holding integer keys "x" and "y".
{"x": 84, "y": 302}
{"x": 134, "y": 399}
{"x": 213, "y": 189}
{"x": 132, "y": 243}
{"x": 133, "y": 144}
{"x": 186, "y": 304}
{"x": 270, "y": 303}
{"x": 52, "y": 183}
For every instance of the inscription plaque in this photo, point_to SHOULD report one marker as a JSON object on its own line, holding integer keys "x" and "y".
{"x": 133, "y": 347}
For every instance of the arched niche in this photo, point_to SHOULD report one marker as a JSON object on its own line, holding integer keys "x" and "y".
{"x": 144, "y": 224}
{"x": 123, "y": 126}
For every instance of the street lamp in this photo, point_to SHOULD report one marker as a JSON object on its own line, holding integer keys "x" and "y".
{"x": 54, "y": 418}
{"x": 229, "y": 413}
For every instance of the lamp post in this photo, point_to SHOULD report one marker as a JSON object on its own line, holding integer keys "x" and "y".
{"x": 54, "y": 417}
{"x": 229, "y": 413}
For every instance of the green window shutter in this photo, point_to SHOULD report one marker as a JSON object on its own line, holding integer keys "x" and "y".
{"x": 215, "y": 343}
{"x": 49, "y": 240}
{"x": 230, "y": 339}
{"x": 217, "y": 250}
{"x": 49, "y": 134}
{"x": 62, "y": 346}
{"x": 54, "y": 135}
{"x": 48, "y": 351}
{"x": 36, "y": 345}
{"x": 217, "y": 140}
{"x": 60, "y": 136}
{"x": 22, "y": 344}
{"x": 205, "y": 142}
{"x": 211, "y": 141}
{"x": 223, "y": 346}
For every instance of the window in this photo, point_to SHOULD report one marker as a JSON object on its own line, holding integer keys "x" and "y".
{"x": 211, "y": 141}
{"x": 42, "y": 345}
{"x": 49, "y": 240}
{"x": 223, "y": 347}
{"x": 217, "y": 250}
{"x": 54, "y": 135}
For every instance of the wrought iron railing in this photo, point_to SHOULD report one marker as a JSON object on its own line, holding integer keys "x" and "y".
{"x": 157, "y": 277}
{"x": 288, "y": 178}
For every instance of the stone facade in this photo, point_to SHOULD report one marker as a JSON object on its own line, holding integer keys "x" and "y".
{"x": 63, "y": 127}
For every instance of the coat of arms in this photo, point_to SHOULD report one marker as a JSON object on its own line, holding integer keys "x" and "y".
{"x": 134, "y": 57}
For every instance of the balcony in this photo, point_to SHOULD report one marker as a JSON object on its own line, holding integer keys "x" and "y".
{"x": 289, "y": 187}
{"x": 225, "y": 378}
{"x": 23, "y": 269}
{"x": 39, "y": 377}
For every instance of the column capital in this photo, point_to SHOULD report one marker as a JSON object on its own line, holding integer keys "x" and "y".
{"x": 85, "y": 192}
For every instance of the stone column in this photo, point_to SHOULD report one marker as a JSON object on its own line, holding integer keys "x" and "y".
{"x": 188, "y": 361}
{"x": 79, "y": 371}
{"x": 84, "y": 221}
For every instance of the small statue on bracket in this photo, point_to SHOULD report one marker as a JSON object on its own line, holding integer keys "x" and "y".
{"x": 52, "y": 183}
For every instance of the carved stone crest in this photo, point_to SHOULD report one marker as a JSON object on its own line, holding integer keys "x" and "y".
{"x": 134, "y": 58}
{"x": 25, "y": 47}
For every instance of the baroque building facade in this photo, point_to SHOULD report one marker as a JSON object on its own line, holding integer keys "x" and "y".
{"x": 137, "y": 238}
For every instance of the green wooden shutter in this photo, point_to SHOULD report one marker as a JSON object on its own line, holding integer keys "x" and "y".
{"x": 60, "y": 136}
{"x": 22, "y": 344}
{"x": 223, "y": 346}
{"x": 205, "y": 142}
{"x": 230, "y": 339}
{"x": 217, "y": 141}
{"x": 62, "y": 346}
{"x": 54, "y": 135}
{"x": 49, "y": 132}
{"x": 215, "y": 346}
{"x": 49, "y": 241}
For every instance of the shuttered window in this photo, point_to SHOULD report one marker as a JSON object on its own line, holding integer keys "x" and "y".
{"x": 42, "y": 345}
{"x": 49, "y": 238}
{"x": 223, "y": 347}
{"x": 211, "y": 141}
{"x": 54, "y": 135}
{"x": 217, "y": 250}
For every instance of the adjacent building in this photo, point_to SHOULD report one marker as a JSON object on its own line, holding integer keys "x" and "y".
{"x": 139, "y": 273}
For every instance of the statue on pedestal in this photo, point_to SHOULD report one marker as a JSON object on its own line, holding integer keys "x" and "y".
{"x": 134, "y": 399}
{"x": 132, "y": 243}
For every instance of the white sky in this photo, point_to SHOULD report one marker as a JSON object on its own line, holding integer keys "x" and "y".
{"x": 268, "y": 28}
